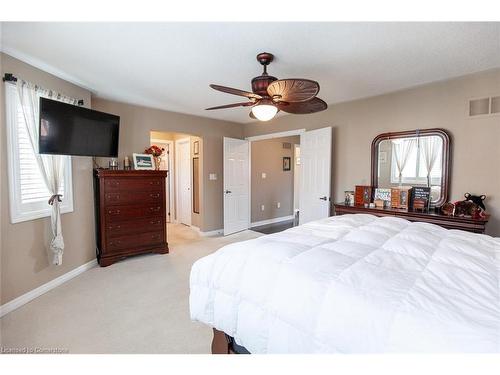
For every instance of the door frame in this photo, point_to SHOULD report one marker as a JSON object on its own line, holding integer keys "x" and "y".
{"x": 177, "y": 190}
{"x": 171, "y": 175}
{"x": 295, "y": 180}
{"x": 255, "y": 138}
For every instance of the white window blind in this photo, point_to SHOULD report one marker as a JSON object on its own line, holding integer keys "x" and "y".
{"x": 28, "y": 194}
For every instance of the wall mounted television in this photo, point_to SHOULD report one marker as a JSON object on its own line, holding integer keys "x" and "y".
{"x": 67, "y": 129}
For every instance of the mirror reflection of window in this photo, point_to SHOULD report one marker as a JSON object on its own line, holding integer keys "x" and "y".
{"x": 418, "y": 156}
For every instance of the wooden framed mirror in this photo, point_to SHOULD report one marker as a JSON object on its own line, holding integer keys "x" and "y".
{"x": 413, "y": 158}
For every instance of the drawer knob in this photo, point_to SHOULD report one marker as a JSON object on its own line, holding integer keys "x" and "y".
{"x": 154, "y": 195}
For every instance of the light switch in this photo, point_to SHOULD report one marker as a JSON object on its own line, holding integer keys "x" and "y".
{"x": 278, "y": 204}
{"x": 263, "y": 175}
{"x": 212, "y": 176}
{"x": 262, "y": 208}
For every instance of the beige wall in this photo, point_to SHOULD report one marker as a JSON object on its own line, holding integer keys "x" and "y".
{"x": 476, "y": 142}
{"x": 24, "y": 261}
{"x": 136, "y": 122}
{"x": 267, "y": 157}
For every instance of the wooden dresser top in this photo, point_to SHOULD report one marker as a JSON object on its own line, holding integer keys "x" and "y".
{"x": 101, "y": 172}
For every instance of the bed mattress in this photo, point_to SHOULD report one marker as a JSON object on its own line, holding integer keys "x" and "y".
{"x": 354, "y": 284}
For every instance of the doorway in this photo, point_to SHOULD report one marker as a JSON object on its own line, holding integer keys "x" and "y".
{"x": 183, "y": 159}
{"x": 273, "y": 187}
{"x": 167, "y": 164}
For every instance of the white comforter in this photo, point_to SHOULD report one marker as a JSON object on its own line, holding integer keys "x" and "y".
{"x": 351, "y": 284}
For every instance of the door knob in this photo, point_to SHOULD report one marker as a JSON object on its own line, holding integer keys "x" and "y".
{"x": 323, "y": 198}
{"x": 228, "y": 192}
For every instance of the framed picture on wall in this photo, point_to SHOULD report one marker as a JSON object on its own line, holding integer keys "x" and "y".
{"x": 196, "y": 147}
{"x": 143, "y": 162}
{"x": 286, "y": 163}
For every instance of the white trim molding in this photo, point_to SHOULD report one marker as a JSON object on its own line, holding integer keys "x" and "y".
{"x": 272, "y": 221}
{"x": 212, "y": 233}
{"x": 31, "y": 295}
{"x": 288, "y": 133}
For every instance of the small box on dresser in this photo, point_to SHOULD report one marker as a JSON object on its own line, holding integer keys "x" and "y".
{"x": 400, "y": 197}
{"x": 130, "y": 214}
{"x": 362, "y": 195}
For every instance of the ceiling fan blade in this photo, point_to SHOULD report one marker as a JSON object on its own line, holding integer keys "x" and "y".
{"x": 230, "y": 90}
{"x": 293, "y": 90}
{"x": 302, "y": 108}
{"x": 244, "y": 104}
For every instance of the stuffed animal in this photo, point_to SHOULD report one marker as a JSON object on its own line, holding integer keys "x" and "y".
{"x": 448, "y": 209}
{"x": 477, "y": 199}
{"x": 467, "y": 209}
{"x": 472, "y": 206}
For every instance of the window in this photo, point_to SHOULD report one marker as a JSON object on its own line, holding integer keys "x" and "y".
{"x": 415, "y": 170}
{"x": 27, "y": 191}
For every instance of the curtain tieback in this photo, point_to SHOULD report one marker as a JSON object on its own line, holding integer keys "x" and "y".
{"x": 54, "y": 197}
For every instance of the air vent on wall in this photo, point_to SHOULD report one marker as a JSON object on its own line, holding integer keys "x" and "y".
{"x": 484, "y": 106}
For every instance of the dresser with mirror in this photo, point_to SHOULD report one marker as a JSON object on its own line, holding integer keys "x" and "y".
{"x": 415, "y": 158}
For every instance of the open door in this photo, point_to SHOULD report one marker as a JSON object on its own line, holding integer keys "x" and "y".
{"x": 315, "y": 174}
{"x": 183, "y": 178}
{"x": 236, "y": 185}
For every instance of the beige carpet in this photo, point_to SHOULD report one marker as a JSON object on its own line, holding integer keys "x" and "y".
{"x": 139, "y": 305}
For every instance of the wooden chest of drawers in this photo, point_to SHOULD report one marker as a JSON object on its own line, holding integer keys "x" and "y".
{"x": 130, "y": 214}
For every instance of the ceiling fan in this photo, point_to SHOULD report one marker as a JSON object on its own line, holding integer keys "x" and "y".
{"x": 270, "y": 94}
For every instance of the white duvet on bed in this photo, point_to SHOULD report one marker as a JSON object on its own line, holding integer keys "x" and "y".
{"x": 354, "y": 284}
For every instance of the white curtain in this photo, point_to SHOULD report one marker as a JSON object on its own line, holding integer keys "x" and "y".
{"x": 402, "y": 150}
{"x": 430, "y": 146}
{"x": 51, "y": 166}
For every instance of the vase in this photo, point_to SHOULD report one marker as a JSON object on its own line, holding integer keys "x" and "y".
{"x": 157, "y": 160}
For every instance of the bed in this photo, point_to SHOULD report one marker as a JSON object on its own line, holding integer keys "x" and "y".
{"x": 353, "y": 284}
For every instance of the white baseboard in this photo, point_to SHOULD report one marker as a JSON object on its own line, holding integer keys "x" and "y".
{"x": 31, "y": 295}
{"x": 272, "y": 221}
{"x": 217, "y": 232}
{"x": 212, "y": 233}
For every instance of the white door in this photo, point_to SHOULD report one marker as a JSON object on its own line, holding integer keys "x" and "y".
{"x": 236, "y": 185}
{"x": 183, "y": 178}
{"x": 315, "y": 174}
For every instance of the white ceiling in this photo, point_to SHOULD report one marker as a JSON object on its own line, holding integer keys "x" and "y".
{"x": 170, "y": 65}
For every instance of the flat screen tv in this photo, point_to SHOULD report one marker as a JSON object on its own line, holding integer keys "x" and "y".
{"x": 67, "y": 129}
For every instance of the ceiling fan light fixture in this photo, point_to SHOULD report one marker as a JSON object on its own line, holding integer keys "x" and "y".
{"x": 264, "y": 111}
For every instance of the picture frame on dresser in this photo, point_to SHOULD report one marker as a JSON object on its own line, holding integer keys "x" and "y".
{"x": 143, "y": 162}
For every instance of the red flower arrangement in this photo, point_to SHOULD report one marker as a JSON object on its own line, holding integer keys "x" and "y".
{"x": 154, "y": 150}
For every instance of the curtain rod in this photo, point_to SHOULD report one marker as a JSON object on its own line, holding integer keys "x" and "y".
{"x": 9, "y": 77}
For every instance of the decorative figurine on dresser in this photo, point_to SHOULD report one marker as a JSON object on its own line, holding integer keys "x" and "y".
{"x": 130, "y": 213}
